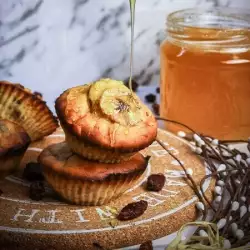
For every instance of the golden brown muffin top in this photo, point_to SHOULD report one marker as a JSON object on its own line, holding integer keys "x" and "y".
{"x": 20, "y": 105}
{"x": 106, "y": 113}
{"x": 59, "y": 158}
{"x": 13, "y": 138}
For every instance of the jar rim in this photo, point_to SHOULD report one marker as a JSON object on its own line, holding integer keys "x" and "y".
{"x": 215, "y": 17}
{"x": 224, "y": 29}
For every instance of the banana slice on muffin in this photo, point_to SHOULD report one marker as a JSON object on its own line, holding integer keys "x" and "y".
{"x": 14, "y": 142}
{"x": 105, "y": 121}
{"x": 21, "y": 106}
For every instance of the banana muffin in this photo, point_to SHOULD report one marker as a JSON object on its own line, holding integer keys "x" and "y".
{"x": 105, "y": 121}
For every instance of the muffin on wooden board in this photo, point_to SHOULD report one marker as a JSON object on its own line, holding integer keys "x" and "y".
{"x": 105, "y": 121}
{"x": 85, "y": 182}
{"x": 14, "y": 142}
{"x": 19, "y": 105}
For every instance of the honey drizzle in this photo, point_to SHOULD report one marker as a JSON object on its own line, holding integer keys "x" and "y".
{"x": 132, "y": 18}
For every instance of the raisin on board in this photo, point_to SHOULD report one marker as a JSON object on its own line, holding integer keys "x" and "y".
{"x": 133, "y": 210}
{"x": 146, "y": 246}
{"x": 33, "y": 172}
{"x": 37, "y": 191}
{"x": 156, "y": 108}
{"x": 158, "y": 90}
{"x": 150, "y": 98}
{"x": 156, "y": 182}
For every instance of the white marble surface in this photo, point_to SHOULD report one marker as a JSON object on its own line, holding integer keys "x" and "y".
{"x": 50, "y": 45}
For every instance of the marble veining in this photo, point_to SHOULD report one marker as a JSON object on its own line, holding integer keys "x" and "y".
{"x": 50, "y": 45}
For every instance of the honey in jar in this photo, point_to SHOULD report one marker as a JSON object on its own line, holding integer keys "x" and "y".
{"x": 205, "y": 72}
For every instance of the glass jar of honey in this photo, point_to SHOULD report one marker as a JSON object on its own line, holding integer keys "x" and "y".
{"x": 205, "y": 72}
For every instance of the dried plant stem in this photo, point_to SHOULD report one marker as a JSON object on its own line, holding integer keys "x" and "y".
{"x": 232, "y": 171}
{"x": 193, "y": 184}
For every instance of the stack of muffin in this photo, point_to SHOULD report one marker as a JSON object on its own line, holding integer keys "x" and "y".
{"x": 106, "y": 126}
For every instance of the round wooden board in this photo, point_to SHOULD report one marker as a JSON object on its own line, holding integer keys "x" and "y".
{"x": 53, "y": 224}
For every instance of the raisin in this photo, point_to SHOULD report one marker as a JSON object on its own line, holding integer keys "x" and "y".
{"x": 135, "y": 85}
{"x": 38, "y": 94}
{"x": 33, "y": 172}
{"x": 133, "y": 210}
{"x": 156, "y": 182}
{"x": 146, "y": 246}
{"x": 156, "y": 108}
{"x": 158, "y": 90}
{"x": 150, "y": 98}
{"x": 37, "y": 191}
